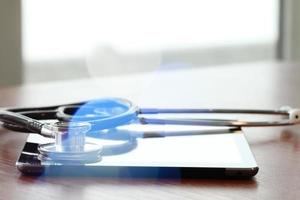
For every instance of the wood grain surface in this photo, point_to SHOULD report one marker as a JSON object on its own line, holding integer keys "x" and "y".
{"x": 256, "y": 85}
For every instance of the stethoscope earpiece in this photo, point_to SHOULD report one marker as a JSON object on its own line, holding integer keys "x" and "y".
{"x": 294, "y": 115}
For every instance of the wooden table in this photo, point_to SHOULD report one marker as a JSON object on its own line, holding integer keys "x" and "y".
{"x": 257, "y": 85}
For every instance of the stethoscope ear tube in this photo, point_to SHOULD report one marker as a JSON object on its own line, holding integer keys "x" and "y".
{"x": 290, "y": 117}
{"x": 213, "y": 122}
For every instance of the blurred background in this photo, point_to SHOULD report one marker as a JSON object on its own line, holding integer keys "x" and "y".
{"x": 50, "y": 40}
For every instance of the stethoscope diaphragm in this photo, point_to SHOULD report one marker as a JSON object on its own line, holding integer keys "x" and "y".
{"x": 50, "y": 152}
{"x": 70, "y": 144}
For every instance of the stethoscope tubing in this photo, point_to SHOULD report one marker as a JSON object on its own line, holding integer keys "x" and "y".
{"x": 108, "y": 116}
{"x": 31, "y": 120}
{"x": 210, "y": 111}
{"x": 214, "y": 122}
{"x": 135, "y": 114}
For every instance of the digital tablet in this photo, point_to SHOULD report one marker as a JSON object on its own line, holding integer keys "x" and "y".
{"x": 207, "y": 152}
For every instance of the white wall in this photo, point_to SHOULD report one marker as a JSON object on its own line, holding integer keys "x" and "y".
{"x": 290, "y": 30}
{"x": 72, "y": 39}
{"x": 10, "y": 42}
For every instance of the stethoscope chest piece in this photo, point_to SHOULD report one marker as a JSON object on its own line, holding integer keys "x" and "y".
{"x": 70, "y": 145}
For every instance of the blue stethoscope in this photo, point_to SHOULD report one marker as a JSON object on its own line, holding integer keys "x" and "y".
{"x": 74, "y": 121}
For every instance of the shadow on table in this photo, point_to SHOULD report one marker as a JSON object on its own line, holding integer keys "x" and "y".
{"x": 287, "y": 136}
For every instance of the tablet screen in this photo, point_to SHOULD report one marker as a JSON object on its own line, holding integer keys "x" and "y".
{"x": 206, "y": 147}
